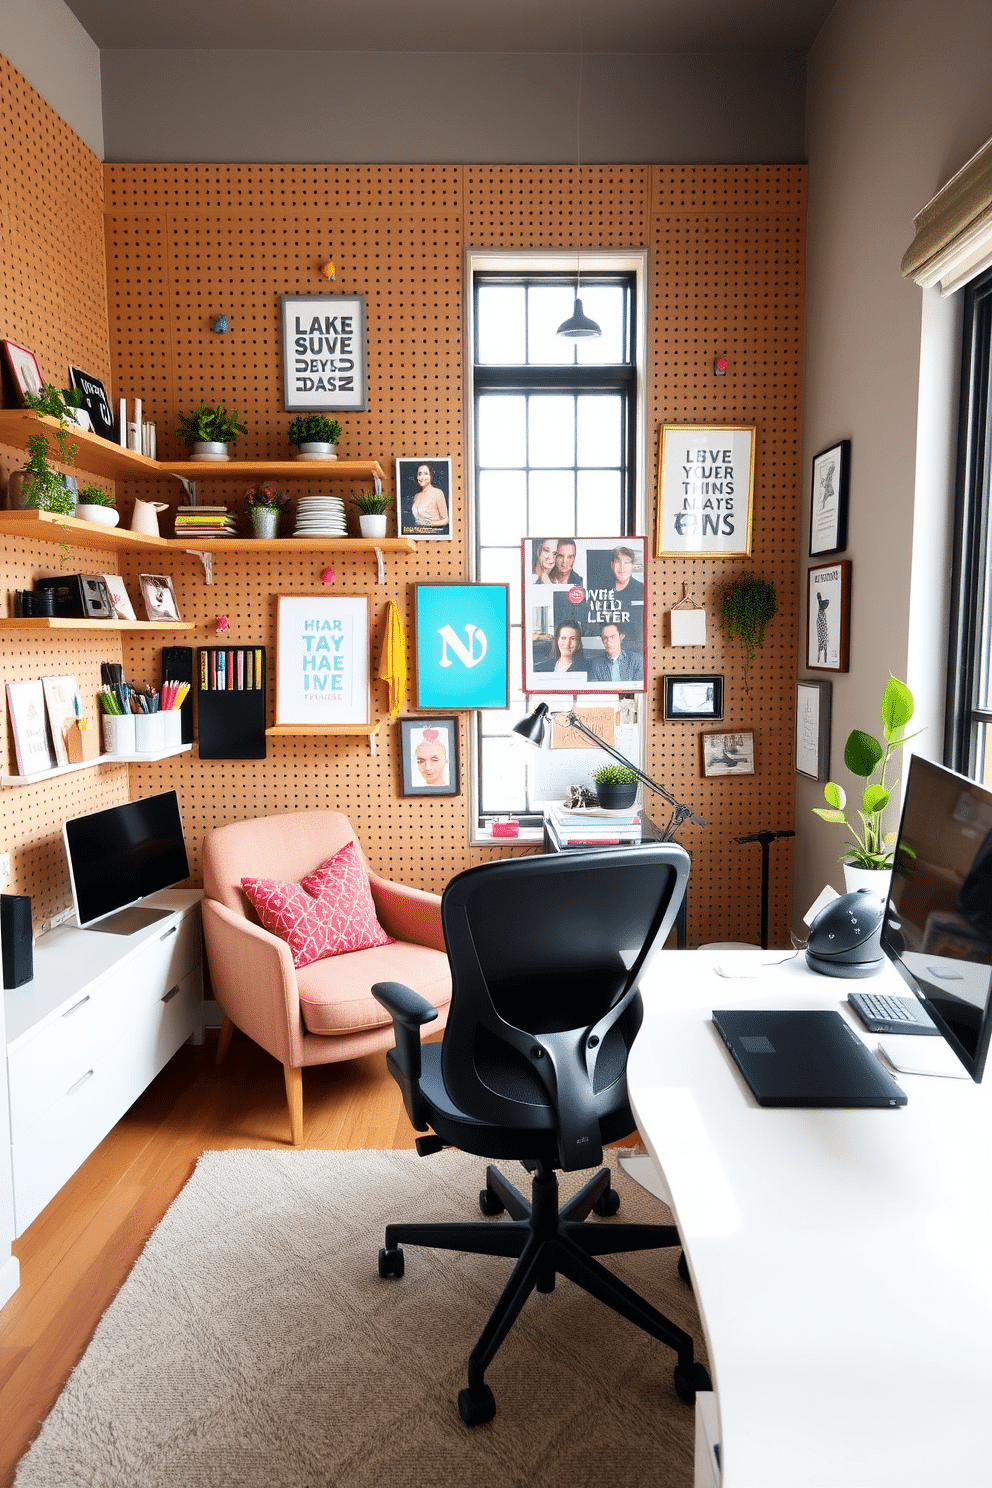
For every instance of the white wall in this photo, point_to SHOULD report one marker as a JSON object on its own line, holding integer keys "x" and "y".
{"x": 898, "y": 98}
{"x": 47, "y": 44}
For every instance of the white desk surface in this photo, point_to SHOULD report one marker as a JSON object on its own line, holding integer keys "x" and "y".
{"x": 841, "y": 1259}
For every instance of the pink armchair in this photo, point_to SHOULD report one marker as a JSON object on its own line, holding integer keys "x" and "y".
{"x": 323, "y": 1012}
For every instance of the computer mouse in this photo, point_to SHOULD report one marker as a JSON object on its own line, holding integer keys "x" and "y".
{"x": 844, "y": 937}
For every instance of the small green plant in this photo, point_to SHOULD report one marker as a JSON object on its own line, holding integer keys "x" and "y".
{"x": 863, "y": 755}
{"x": 371, "y": 503}
{"x": 54, "y": 404}
{"x": 614, "y": 775}
{"x": 210, "y": 426}
{"x": 265, "y": 498}
{"x": 746, "y": 606}
{"x": 93, "y": 496}
{"x": 313, "y": 428}
{"x": 47, "y": 488}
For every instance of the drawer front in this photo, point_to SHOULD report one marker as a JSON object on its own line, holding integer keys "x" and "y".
{"x": 46, "y": 1154}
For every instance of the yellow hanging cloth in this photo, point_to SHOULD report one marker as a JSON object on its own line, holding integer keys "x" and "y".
{"x": 392, "y": 661}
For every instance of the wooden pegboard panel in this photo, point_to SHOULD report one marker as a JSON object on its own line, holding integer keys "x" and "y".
{"x": 542, "y": 206}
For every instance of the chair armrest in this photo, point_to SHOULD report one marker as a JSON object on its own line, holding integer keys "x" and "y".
{"x": 254, "y": 981}
{"x": 403, "y": 1004}
{"x": 408, "y": 914}
{"x": 409, "y": 1012}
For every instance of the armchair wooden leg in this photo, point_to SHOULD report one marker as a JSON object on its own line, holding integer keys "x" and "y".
{"x": 224, "y": 1038}
{"x": 294, "y": 1095}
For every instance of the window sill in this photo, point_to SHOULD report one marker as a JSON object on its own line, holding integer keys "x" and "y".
{"x": 482, "y": 837}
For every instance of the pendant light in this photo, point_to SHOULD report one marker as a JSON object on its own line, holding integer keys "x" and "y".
{"x": 578, "y": 326}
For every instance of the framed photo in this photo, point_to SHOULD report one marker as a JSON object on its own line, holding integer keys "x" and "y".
{"x": 96, "y": 403}
{"x": 462, "y": 645}
{"x": 692, "y": 698}
{"x": 24, "y": 369}
{"x": 119, "y": 598}
{"x": 423, "y": 495}
{"x": 430, "y": 756}
{"x": 828, "y": 499}
{"x": 583, "y": 621}
{"x": 159, "y": 597}
{"x": 828, "y": 617}
{"x": 728, "y": 754}
{"x": 323, "y": 671}
{"x": 813, "y": 729}
{"x": 705, "y": 490}
{"x": 323, "y": 352}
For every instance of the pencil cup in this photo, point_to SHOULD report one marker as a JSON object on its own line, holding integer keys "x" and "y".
{"x": 149, "y": 733}
{"x": 172, "y": 727}
{"x": 118, "y": 733}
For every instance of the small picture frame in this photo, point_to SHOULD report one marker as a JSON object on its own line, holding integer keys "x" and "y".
{"x": 462, "y": 645}
{"x": 828, "y": 617}
{"x": 423, "y": 498}
{"x": 119, "y": 599}
{"x": 95, "y": 402}
{"x": 690, "y": 698}
{"x": 24, "y": 369}
{"x": 159, "y": 597}
{"x": 429, "y": 750}
{"x": 728, "y": 754}
{"x": 705, "y": 490}
{"x": 813, "y": 700}
{"x": 828, "y": 499}
{"x": 324, "y": 353}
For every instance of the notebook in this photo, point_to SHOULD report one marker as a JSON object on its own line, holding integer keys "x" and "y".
{"x": 807, "y": 1058}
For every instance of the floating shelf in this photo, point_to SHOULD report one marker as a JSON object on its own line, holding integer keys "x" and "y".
{"x": 294, "y": 544}
{"x": 46, "y": 526}
{"x": 234, "y": 469}
{"x": 98, "y": 456}
{"x": 101, "y": 759}
{"x": 318, "y": 730}
{"x": 58, "y": 622}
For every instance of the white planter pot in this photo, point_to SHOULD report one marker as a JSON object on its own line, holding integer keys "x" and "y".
{"x": 210, "y": 449}
{"x": 315, "y": 451}
{"x": 373, "y": 526}
{"x": 875, "y": 879}
{"x": 104, "y": 516}
{"x": 80, "y": 418}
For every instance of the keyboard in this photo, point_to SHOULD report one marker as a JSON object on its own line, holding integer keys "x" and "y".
{"x": 882, "y": 1013}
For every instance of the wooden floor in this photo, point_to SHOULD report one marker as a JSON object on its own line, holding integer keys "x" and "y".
{"x": 79, "y": 1250}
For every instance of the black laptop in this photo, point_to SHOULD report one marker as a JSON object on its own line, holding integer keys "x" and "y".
{"x": 805, "y": 1058}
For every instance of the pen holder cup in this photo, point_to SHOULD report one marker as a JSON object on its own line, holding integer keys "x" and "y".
{"x": 149, "y": 733}
{"x": 118, "y": 733}
{"x": 172, "y": 728}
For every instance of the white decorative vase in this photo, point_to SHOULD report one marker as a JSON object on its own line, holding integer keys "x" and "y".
{"x": 318, "y": 451}
{"x": 104, "y": 516}
{"x": 875, "y": 879}
{"x": 372, "y": 526}
{"x": 210, "y": 449}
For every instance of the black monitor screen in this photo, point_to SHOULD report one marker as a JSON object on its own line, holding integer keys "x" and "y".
{"x": 125, "y": 853}
{"x": 938, "y": 921}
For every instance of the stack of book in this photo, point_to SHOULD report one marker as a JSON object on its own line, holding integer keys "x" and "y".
{"x": 205, "y": 521}
{"x": 592, "y": 827}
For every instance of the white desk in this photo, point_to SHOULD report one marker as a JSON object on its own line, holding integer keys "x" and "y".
{"x": 841, "y": 1260}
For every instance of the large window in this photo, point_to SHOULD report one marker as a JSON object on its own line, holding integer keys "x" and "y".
{"x": 969, "y": 720}
{"x": 553, "y": 449}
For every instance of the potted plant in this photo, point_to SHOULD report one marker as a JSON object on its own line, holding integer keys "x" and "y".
{"x": 372, "y": 508}
{"x": 264, "y": 504}
{"x": 95, "y": 505}
{"x": 746, "y": 606}
{"x": 867, "y": 858}
{"x": 38, "y": 484}
{"x": 209, "y": 431}
{"x": 315, "y": 436}
{"x": 616, "y": 787}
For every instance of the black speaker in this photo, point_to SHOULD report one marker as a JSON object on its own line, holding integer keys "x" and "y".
{"x": 15, "y": 929}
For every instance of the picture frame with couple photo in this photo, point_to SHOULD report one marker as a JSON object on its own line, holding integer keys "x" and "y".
{"x": 583, "y": 623}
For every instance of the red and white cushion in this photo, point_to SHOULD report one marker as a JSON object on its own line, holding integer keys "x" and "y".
{"x": 330, "y": 913}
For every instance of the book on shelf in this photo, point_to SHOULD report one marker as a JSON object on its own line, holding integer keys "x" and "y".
{"x": 62, "y": 702}
{"x": 29, "y": 725}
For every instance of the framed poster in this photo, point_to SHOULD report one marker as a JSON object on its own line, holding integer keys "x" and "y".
{"x": 323, "y": 674}
{"x": 813, "y": 729}
{"x": 728, "y": 754}
{"x": 693, "y": 697}
{"x": 583, "y": 621}
{"x": 423, "y": 498}
{"x": 705, "y": 490}
{"x": 24, "y": 369}
{"x": 430, "y": 756}
{"x": 828, "y": 617}
{"x": 323, "y": 352}
{"x": 828, "y": 499}
{"x": 462, "y": 645}
{"x": 96, "y": 403}
{"x": 159, "y": 596}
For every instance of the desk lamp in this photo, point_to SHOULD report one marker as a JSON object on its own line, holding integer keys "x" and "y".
{"x": 531, "y": 728}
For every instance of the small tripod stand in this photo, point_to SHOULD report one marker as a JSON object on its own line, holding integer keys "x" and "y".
{"x": 766, "y": 839}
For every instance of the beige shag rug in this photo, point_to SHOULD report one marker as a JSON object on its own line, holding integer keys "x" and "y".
{"x": 254, "y": 1346}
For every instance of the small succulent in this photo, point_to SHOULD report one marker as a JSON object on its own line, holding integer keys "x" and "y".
{"x": 94, "y": 496}
{"x": 371, "y": 503}
{"x": 313, "y": 428}
{"x": 614, "y": 775}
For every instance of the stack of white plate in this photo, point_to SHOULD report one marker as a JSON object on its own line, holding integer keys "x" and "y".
{"x": 320, "y": 516}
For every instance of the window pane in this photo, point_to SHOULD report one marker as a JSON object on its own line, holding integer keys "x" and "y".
{"x": 552, "y": 431}
{"x": 600, "y": 503}
{"x": 504, "y": 782}
{"x": 599, "y": 427}
{"x": 502, "y": 506}
{"x": 552, "y": 503}
{"x": 548, "y": 305}
{"x": 501, "y": 429}
{"x": 502, "y": 566}
{"x": 604, "y": 304}
{"x": 500, "y": 323}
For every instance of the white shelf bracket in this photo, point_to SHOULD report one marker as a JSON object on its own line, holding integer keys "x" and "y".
{"x": 207, "y": 559}
{"x": 382, "y": 574}
{"x": 190, "y": 488}
{"x": 372, "y": 745}
{"x": 377, "y": 484}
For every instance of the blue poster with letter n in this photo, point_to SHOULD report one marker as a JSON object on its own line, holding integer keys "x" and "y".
{"x": 463, "y": 634}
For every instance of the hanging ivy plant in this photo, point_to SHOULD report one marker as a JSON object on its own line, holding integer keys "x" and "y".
{"x": 746, "y": 606}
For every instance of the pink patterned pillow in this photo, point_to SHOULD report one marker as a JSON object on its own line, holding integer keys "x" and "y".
{"x": 329, "y": 913}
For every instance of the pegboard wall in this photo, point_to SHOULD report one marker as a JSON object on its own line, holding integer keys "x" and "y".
{"x": 185, "y": 244}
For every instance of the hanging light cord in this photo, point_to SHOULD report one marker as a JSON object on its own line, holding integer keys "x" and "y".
{"x": 578, "y": 156}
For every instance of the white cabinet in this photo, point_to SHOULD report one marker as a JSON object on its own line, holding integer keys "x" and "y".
{"x": 102, "y": 1015}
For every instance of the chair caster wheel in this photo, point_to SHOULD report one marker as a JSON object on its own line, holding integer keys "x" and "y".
{"x": 490, "y": 1203}
{"x": 684, "y": 1269}
{"x": 687, "y": 1382}
{"x": 391, "y": 1262}
{"x": 476, "y": 1409}
{"x": 607, "y": 1204}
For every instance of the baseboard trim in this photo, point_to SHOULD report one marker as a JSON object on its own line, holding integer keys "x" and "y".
{"x": 10, "y": 1279}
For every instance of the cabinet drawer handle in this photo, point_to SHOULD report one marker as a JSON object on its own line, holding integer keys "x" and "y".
{"x": 169, "y": 932}
{"x": 76, "y": 1006}
{"x": 171, "y": 993}
{"x": 81, "y": 1081}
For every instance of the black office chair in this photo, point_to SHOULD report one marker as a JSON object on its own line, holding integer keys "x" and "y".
{"x": 546, "y": 954}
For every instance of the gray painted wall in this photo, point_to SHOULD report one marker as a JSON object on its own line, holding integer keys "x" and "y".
{"x": 446, "y": 108}
{"x": 898, "y": 100}
{"x": 47, "y": 44}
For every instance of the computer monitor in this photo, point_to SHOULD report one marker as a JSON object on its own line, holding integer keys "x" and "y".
{"x": 119, "y": 856}
{"x": 937, "y": 929}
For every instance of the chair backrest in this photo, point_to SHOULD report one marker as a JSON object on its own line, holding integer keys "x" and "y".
{"x": 546, "y": 954}
{"x": 287, "y": 847}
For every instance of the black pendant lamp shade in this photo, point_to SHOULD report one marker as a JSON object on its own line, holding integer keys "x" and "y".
{"x": 578, "y": 324}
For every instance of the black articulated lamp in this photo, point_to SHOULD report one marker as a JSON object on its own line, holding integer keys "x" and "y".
{"x": 578, "y": 326}
{"x": 532, "y": 727}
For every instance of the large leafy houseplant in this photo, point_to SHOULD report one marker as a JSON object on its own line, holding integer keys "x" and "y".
{"x": 863, "y": 756}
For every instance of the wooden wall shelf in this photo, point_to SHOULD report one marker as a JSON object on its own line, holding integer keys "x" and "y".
{"x": 45, "y": 526}
{"x": 58, "y": 622}
{"x": 94, "y": 454}
{"x": 319, "y": 730}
